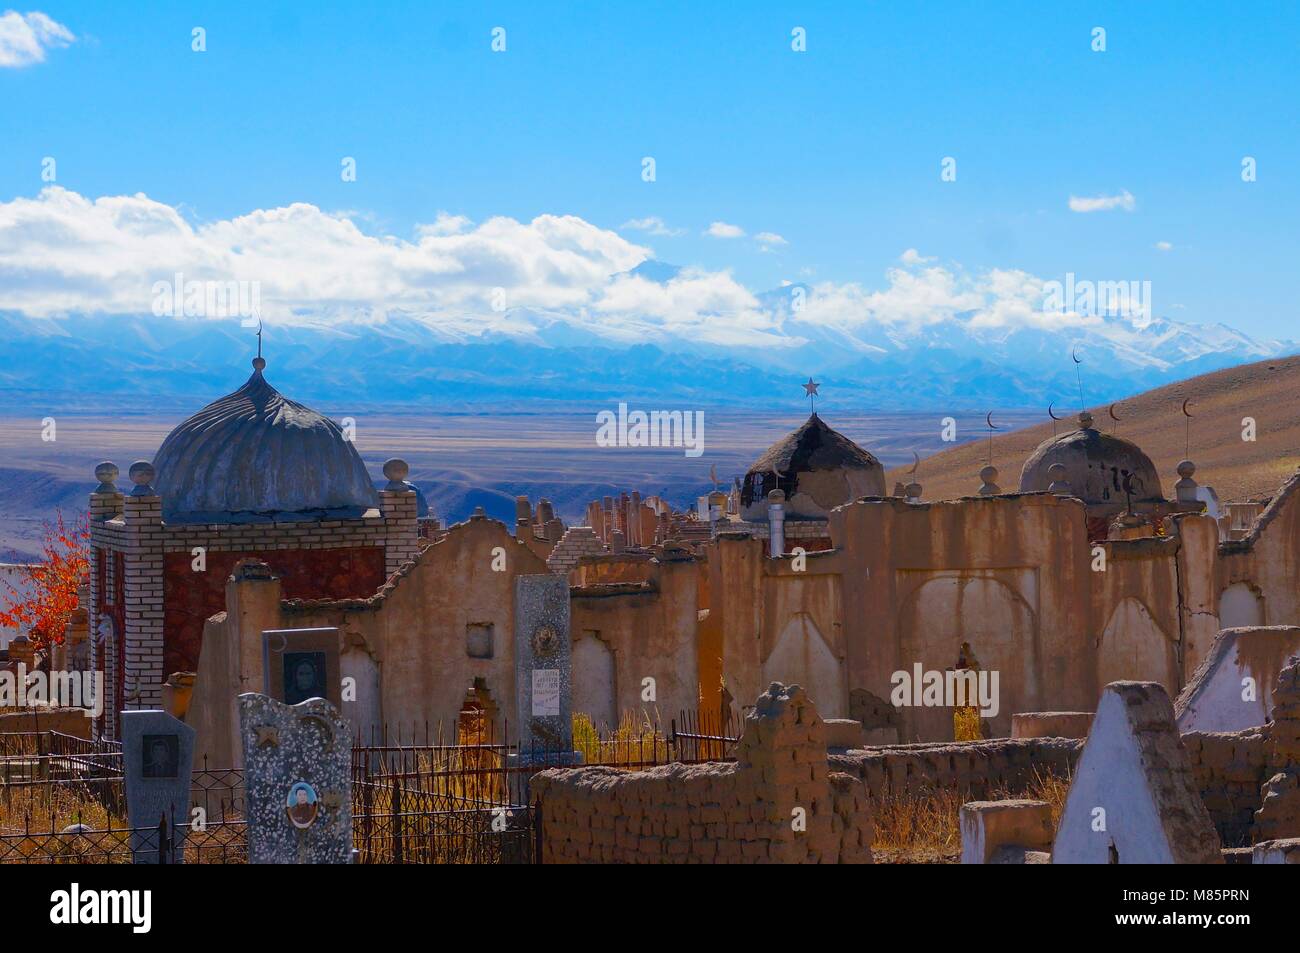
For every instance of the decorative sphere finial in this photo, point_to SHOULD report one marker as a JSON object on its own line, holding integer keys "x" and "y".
{"x": 142, "y": 474}
{"x": 397, "y": 470}
{"x": 259, "y": 363}
{"x": 106, "y": 473}
{"x": 1085, "y": 421}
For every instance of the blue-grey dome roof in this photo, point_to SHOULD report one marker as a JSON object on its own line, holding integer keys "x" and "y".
{"x": 256, "y": 456}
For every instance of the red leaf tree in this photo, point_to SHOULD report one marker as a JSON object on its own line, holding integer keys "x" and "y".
{"x": 44, "y": 606}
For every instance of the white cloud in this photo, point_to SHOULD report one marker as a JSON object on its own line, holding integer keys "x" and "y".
{"x": 724, "y": 230}
{"x": 61, "y": 253}
{"x": 651, "y": 225}
{"x": 444, "y": 224}
{"x": 24, "y": 38}
{"x": 770, "y": 240}
{"x": 1104, "y": 203}
{"x": 1164, "y": 246}
{"x": 914, "y": 257}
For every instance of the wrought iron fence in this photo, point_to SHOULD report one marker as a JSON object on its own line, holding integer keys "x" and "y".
{"x": 415, "y": 799}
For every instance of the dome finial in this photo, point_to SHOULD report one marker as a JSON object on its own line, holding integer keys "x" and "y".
{"x": 259, "y": 362}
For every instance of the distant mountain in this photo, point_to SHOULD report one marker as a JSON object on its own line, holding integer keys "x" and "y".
{"x": 553, "y": 359}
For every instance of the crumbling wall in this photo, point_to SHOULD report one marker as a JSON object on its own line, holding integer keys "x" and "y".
{"x": 1229, "y": 768}
{"x": 778, "y": 803}
{"x": 976, "y": 768}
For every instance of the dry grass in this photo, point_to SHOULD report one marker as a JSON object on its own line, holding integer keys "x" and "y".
{"x": 926, "y": 828}
{"x": 635, "y": 741}
{"x": 44, "y": 806}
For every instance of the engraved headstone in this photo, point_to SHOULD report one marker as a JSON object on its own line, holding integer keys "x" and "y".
{"x": 297, "y": 771}
{"x": 299, "y": 664}
{"x": 542, "y": 667}
{"x": 157, "y": 758}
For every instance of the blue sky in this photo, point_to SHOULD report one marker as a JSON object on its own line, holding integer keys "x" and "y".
{"x": 837, "y": 149}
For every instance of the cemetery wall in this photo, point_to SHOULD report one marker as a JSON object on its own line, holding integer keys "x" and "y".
{"x": 976, "y": 768}
{"x": 1230, "y": 768}
{"x": 778, "y": 803}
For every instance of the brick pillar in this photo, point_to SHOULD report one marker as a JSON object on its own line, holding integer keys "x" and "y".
{"x": 401, "y": 529}
{"x": 143, "y": 586}
{"x": 106, "y": 503}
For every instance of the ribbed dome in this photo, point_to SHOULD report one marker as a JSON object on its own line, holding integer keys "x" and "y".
{"x": 819, "y": 469}
{"x": 256, "y": 456}
{"x": 1096, "y": 465}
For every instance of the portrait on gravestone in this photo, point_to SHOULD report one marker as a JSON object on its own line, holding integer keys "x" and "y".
{"x": 304, "y": 676}
{"x": 160, "y": 756}
{"x": 302, "y": 804}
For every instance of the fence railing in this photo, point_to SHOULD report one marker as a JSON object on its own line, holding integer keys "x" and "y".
{"x": 415, "y": 799}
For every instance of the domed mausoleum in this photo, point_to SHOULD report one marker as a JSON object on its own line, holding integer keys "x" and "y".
{"x": 817, "y": 469}
{"x": 251, "y": 476}
{"x": 254, "y": 455}
{"x": 1106, "y": 472}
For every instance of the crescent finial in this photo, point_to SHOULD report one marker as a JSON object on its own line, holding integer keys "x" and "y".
{"x": 1111, "y": 410}
{"x": 917, "y": 457}
{"x": 1185, "y": 403}
{"x": 988, "y": 419}
{"x": 1074, "y": 353}
{"x": 1051, "y": 413}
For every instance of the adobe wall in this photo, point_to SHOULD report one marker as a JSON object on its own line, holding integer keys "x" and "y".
{"x": 1267, "y": 561}
{"x": 1011, "y": 575}
{"x": 416, "y": 628}
{"x": 778, "y": 803}
{"x": 649, "y": 633}
{"x": 407, "y": 644}
{"x": 975, "y": 768}
{"x": 1229, "y": 768}
{"x": 776, "y": 623}
{"x": 1006, "y": 574}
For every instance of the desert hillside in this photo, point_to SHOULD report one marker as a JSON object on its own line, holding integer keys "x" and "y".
{"x": 1238, "y": 470}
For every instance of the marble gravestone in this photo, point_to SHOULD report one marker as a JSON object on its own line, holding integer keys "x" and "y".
{"x": 297, "y": 773}
{"x": 298, "y": 664}
{"x": 157, "y": 759}
{"x": 542, "y": 666}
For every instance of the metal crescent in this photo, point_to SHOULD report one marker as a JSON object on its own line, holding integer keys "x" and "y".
{"x": 1074, "y": 354}
{"x": 1111, "y": 410}
{"x": 1051, "y": 414}
{"x": 989, "y": 420}
{"x": 917, "y": 457}
{"x": 1185, "y": 403}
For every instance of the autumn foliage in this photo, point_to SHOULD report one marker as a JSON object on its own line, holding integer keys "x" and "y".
{"x": 44, "y": 609}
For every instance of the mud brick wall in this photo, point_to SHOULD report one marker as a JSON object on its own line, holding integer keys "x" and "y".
{"x": 976, "y": 768}
{"x": 1230, "y": 768}
{"x": 742, "y": 812}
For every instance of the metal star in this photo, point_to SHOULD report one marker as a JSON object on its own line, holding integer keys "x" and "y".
{"x": 810, "y": 389}
{"x": 267, "y": 735}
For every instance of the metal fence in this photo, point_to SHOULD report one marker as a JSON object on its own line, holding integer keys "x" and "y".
{"x": 414, "y": 798}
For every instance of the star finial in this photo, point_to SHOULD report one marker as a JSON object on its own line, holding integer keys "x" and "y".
{"x": 810, "y": 391}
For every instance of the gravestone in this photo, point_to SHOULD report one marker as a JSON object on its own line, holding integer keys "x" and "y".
{"x": 297, "y": 772}
{"x": 1133, "y": 798}
{"x": 299, "y": 664}
{"x": 543, "y": 651}
{"x": 157, "y": 760}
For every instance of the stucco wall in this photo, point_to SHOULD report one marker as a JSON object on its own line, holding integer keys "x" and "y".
{"x": 650, "y": 634}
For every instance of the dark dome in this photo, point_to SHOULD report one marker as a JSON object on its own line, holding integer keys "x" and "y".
{"x": 1096, "y": 465}
{"x": 819, "y": 469}
{"x": 256, "y": 456}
